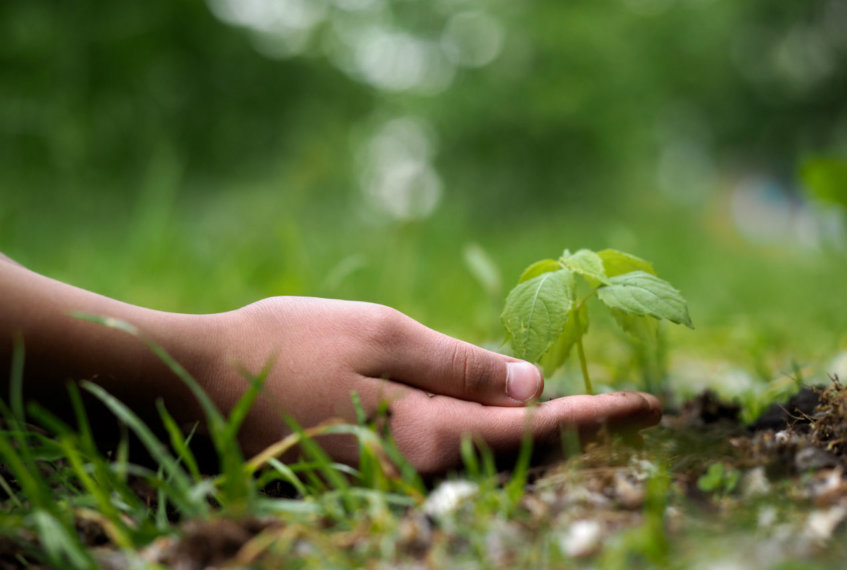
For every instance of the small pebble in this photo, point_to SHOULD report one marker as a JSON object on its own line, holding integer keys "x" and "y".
{"x": 821, "y": 524}
{"x": 582, "y": 538}
{"x": 447, "y": 496}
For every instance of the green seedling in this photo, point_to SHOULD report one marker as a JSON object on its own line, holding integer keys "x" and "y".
{"x": 546, "y": 314}
{"x": 719, "y": 479}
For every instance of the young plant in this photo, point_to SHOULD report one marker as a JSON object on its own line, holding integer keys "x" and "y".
{"x": 719, "y": 479}
{"x": 546, "y": 314}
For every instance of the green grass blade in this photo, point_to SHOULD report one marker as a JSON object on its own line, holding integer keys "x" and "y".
{"x": 32, "y": 484}
{"x": 213, "y": 416}
{"x": 408, "y": 478}
{"x": 388, "y": 458}
{"x": 238, "y": 489}
{"x": 16, "y": 379}
{"x": 489, "y": 465}
{"x": 271, "y": 507}
{"x": 81, "y": 418}
{"x": 288, "y": 475}
{"x": 361, "y": 416}
{"x": 60, "y": 543}
{"x": 41, "y": 447}
{"x": 19, "y": 457}
{"x": 113, "y": 477}
{"x": 121, "y": 463}
{"x": 47, "y": 419}
{"x": 285, "y": 444}
{"x": 316, "y": 453}
{"x": 245, "y": 402}
{"x": 469, "y": 458}
{"x": 120, "y": 533}
{"x": 13, "y": 496}
{"x": 517, "y": 484}
{"x": 162, "y": 522}
{"x": 179, "y": 442}
{"x": 179, "y": 479}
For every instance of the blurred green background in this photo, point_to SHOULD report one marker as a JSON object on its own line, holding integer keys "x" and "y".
{"x": 199, "y": 156}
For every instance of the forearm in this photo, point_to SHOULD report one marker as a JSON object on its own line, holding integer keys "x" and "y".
{"x": 6, "y": 259}
{"x": 60, "y": 347}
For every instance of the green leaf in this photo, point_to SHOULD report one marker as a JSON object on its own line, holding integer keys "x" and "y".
{"x": 586, "y": 263}
{"x": 718, "y": 478}
{"x": 559, "y": 351}
{"x": 640, "y": 293}
{"x": 539, "y": 267}
{"x": 826, "y": 179}
{"x": 641, "y": 328}
{"x": 536, "y": 312}
{"x": 617, "y": 263}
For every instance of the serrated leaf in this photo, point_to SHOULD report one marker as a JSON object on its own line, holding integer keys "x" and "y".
{"x": 586, "y": 263}
{"x": 617, "y": 263}
{"x": 641, "y": 328}
{"x": 536, "y": 312}
{"x": 559, "y": 351}
{"x": 640, "y": 293}
{"x": 538, "y": 268}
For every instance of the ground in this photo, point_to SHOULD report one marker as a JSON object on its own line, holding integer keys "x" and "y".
{"x": 702, "y": 490}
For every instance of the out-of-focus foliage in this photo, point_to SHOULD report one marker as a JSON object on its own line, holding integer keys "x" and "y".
{"x": 93, "y": 91}
{"x": 517, "y": 104}
{"x": 826, "y": 179}
{"x": 196, "y": 156}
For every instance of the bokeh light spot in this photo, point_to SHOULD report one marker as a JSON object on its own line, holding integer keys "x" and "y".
{"x": 398, "y": 178}
{"x": 472, "y": 39}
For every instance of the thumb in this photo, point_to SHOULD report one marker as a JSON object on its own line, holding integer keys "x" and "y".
{"x": 440, "y": 364}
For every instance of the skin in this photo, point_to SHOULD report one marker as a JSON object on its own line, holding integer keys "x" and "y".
{"x": 316, "y": 351}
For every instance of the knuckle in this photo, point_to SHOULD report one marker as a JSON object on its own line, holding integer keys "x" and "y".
{"x": 382, "y": 324}
{"x": 476, "y": 373}
{"x": 429, "y": 456}
{"x": 424, "y": 442}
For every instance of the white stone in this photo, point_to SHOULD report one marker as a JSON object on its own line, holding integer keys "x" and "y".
{"x": 821, "y": 523}
{"x": 447, "y": 496}
{"x": 582, "y": 538}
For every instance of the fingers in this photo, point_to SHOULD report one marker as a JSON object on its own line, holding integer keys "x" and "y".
{"x": 431, "y": 438}
{"x": 421, "y": 357}
{"x": 616, "y": 410}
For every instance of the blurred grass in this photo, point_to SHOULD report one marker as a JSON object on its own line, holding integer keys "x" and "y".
{"x": 159, "y": 157}
{"x": 761, "y": 307}
{"x": 153, "y": 155}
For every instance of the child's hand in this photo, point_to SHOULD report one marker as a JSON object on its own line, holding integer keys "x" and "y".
{"x": 321, "y": 351}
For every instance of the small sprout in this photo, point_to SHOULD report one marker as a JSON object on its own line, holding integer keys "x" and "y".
{"x": 719, "y": 479}
{"x": 546, "y": 315}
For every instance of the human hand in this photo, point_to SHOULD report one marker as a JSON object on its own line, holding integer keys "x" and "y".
{"x": 439, "y": 389}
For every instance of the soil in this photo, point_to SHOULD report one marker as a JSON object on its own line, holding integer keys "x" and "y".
{"x": 702, "y": 475}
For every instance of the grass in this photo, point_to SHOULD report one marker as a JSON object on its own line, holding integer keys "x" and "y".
{"x": 768, "y": 319}
{"x": 60, "y": 482}
{"x": 611, "y": 506}
{"x": 56, "y": 483}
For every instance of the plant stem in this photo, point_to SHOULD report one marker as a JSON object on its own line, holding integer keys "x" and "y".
{"x": 581, "y": 353}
